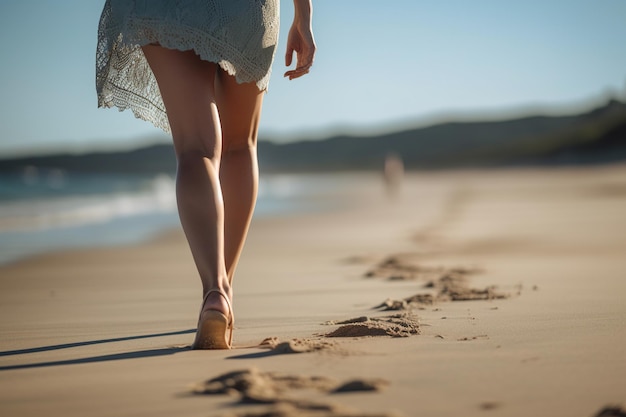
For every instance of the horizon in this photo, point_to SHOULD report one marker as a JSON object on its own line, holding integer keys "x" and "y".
{"x": 430, "y": 63}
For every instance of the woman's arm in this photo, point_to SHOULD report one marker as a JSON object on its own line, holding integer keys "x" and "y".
{"x": 300, "y": 40}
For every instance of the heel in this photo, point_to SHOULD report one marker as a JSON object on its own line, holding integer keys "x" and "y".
{"x": 215, "y": 330}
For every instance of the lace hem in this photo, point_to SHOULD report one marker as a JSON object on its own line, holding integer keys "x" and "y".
{"x": 124, "y": 78}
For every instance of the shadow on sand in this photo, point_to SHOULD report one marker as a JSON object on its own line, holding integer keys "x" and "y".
{"x": 103, "y": 358}
{"x": 256, "y": 355}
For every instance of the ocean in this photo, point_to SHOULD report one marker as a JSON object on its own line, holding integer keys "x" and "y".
{"x": 50, "y": 210}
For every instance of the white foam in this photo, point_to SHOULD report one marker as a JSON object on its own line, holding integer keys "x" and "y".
{"x": 57, "y": 212}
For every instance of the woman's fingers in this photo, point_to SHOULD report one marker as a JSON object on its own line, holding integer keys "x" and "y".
{"x": 304, "y": 65}
{"x": 288, "y": 56}
{"x": 301, "y": 69}
{"x": 298, "y": 72}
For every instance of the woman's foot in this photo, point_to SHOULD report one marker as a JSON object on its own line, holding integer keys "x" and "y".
{"x": 216, "y": 322}
{"x": 217, "y": 300}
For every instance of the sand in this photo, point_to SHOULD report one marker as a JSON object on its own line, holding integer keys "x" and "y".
{"x": 511, "y": 284}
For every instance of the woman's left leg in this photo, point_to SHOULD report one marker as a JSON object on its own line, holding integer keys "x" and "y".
{"x": 239, "y": 108}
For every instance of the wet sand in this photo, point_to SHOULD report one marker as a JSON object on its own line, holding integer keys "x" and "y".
{"x": 472, "y": 293}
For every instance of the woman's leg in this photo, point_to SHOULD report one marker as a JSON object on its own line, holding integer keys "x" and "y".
{"x": 187, "y": 86}
{"x": 240, "y": 111}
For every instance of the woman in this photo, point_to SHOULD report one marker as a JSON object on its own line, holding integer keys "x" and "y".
{"x": 200, "y": 68}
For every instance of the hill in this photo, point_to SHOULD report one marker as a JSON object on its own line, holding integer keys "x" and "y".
{"x": 595, "y": 136}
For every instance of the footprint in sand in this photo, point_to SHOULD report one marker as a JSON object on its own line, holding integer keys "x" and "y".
{"x": 396, "y": 268}
{"x": 277, "y": 392}
{"x": 611, "y": 411}
{"x": 298, "y": 345}
{"x": 397, "y": 325}
{"x": 455, "y": 287}
{"x": 451, "y": 286}
{"x": 400, "y": 267}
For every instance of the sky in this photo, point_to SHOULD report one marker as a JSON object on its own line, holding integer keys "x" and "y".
{"x": 380, "y": 65}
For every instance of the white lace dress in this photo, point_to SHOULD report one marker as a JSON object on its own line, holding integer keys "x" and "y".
{"x": 239, "y": 35}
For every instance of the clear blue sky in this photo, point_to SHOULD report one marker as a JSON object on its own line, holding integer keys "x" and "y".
{"x": 380, "y": 63}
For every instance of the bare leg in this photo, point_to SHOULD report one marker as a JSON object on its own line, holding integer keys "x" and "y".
{"x": 187, "y": 85}
{"x": 240, "y": 111}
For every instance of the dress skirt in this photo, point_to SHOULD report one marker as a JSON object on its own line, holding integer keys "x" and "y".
{"x": 238, "y": 35}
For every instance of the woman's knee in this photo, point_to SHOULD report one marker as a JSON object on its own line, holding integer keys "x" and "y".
{"x": 191, "y": 152}
{"x": 194, "y": 164}
{"x": 242, "y": 143}
{"x": 197, "y": 142}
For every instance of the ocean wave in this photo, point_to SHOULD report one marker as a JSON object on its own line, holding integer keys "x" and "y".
{"x": 35, "y": 214}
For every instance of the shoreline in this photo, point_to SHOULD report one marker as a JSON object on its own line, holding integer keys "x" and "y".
{"x": 106, "y": 331}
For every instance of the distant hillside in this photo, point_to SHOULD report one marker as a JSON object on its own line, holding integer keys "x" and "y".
{"x": 536, "y": 140}
{"x": 596, "y": 136}
{"x": 148, "y": 160}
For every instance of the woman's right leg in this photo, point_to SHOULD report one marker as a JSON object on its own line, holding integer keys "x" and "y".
{"x": 187, "y": 86}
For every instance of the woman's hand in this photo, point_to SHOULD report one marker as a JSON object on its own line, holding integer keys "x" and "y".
{"x": 300, "y": 40}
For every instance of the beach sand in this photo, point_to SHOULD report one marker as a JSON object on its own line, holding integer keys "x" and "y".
{"x": 106, "y": 332}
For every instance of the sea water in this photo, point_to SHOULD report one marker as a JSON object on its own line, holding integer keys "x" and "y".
{"x": 50, "y": 210}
